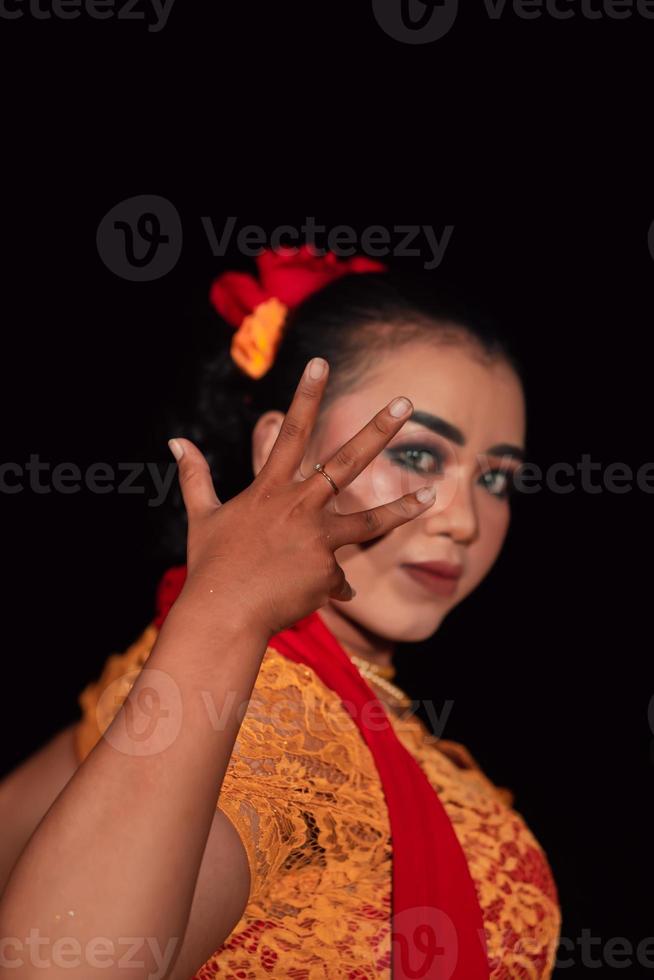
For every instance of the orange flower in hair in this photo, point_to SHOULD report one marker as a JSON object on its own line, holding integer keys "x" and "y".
{"x": 257, "y": 308}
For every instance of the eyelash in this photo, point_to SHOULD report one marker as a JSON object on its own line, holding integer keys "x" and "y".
{"x": 396, "y": 454}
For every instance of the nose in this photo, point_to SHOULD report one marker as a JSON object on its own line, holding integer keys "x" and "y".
{"x": 457, "y": 516}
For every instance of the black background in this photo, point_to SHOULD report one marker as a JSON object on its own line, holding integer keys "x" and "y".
{"x": 549, "y": 663}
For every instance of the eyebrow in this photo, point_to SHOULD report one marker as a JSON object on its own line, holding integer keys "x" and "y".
{"x": 451, "y": 432}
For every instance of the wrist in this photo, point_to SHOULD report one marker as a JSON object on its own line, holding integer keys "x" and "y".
{"x": 208, "y": 604}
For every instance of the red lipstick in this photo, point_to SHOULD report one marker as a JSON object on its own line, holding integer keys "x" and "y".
{"x": 440, "y": 577}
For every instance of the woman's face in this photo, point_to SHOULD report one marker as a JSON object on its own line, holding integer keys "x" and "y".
{"x": 465, "y": 412}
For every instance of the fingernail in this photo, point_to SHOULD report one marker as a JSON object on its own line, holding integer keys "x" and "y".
{"x": 399, "y": 407}
{"x": 425, "y": 493}
{"x": 317, "y": 366}
{"x": 176, "y": 448}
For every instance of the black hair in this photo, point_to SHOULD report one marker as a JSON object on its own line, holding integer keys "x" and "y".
{"x": 349, "y": 322}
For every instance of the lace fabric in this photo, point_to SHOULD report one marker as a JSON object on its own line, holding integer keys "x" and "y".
{"x": 302, "y": 790}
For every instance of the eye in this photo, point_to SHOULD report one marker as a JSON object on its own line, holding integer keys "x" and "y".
{"x": 421, "y": 459}
{"x": 499, "y": 483}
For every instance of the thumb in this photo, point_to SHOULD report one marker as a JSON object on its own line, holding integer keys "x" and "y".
{"x": 195, "y": 479}
{"x": 343, "y": 590}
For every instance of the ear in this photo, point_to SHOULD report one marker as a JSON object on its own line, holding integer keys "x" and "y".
{"x": 264, "y": 435}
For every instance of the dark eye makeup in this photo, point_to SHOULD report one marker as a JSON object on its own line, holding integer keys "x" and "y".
{"x": 427, "y": 459}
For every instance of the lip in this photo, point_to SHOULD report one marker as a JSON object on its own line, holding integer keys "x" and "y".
{"x": 443, "y": 568}
{"x": 440, "y": 577}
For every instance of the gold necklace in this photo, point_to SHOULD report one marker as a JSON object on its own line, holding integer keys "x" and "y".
{"x": 379, "y": 675}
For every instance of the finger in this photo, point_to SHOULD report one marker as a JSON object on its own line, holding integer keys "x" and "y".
{"x": 368, "y": 524}
{"x": 195, "y": 479}
{"x": 357, "y": 452}
{"x": 342, "y": 590}
{"x": 290, "y": 445}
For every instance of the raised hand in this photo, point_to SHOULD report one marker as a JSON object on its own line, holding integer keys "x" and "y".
{"x": 270, "y": 550}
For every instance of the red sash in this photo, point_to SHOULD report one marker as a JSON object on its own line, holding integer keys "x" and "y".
{"x": 437, "y": 923}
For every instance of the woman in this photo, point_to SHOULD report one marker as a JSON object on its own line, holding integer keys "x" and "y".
{"x": 287, "y": 815}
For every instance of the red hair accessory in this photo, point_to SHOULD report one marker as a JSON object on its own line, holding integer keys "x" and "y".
{"x": 258, "y": 308}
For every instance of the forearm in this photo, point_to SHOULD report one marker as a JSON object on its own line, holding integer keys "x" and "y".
{"x": 121, "y": 846}
{"x": 28, "y": 791}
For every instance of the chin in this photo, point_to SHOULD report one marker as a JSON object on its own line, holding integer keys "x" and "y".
{"x": 399, "y": 623}
{"x": 416, "y": 632}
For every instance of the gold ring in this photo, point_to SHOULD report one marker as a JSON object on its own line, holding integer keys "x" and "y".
{"x": 319, "y": 467}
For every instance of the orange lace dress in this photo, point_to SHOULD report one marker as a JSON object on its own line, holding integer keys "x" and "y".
{"x": 304, "y": 794}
